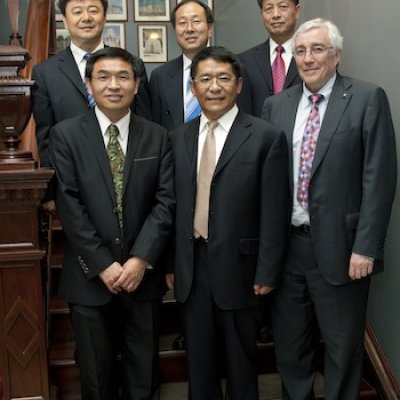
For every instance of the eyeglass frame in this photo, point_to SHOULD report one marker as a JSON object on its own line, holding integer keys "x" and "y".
{"x": 227, "y": 80}
{"x": 119, "y": 78}
{"x": 315, "y": 50}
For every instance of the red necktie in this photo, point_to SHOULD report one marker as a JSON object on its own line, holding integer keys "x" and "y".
{"x": 278, "y": 70}
{"x": 308, "y": 147}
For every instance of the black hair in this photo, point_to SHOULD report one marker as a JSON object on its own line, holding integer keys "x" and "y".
{"x": 207, "y": 10}
{"x": 115, "y": 52}
{"x": 217, "y": 53}
{"x": 260, "y": 2}
{"x": 62, "y": 4}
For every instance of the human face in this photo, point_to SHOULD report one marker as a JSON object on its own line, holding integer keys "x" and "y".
{"x": 216, "y": 99}
{"x": 191, "y": 29}
{"x": 113, "y": 86}
{"x": 85, "y": 21}
{"x": 316, "y": 69}
{"x": 279, "y": 17}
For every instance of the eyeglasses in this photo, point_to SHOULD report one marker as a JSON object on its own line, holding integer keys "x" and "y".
{"x": 315, "y": 50}
{"x": 185, "y": 24}
{"x": 206, "y": 81}
{"x": 119, "y": 78}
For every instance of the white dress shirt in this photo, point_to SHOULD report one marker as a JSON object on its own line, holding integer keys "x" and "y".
{"x": 78, "y": 55}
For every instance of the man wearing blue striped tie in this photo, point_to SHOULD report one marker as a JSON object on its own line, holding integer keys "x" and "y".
{"x": 172, "y": 100}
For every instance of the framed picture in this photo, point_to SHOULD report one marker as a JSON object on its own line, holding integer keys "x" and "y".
{"x": 208, "y": 2}
{"x": 114, "y": 34}
{"x": 117, "y": 10}
{"x": 57, "y": 11}
{"x": 152, "y": 43}
{"x": 63, "y": 39}
{"x": 152, "y": 10}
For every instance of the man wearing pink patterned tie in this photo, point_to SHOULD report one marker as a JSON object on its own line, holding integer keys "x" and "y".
{"x": 269, "y": 68}
{"x": 343, "y": 179}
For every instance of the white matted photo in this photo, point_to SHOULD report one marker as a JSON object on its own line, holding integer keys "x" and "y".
{"x": 117, "y": 10}
{"x": 63, "y": 39}
{"x": 208, "y": 2}
{"x": 57, "y": 11}
{"x": 152, "y": 43}
{"x": 114, "y": 34}
{"x": 152, "y": 10}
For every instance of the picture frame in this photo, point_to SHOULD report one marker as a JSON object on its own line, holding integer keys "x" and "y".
{"x": 57, "y": 11}
{"x": 152, "y": 43}
{"x": 114, "y": 34}
{"x": 117, "y": 10}
{"x": 152, "y": 10}
{"x": 210, "y": 3}
{"x": 63, "y": 39}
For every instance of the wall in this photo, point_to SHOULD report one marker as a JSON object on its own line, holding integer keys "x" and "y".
{"x": 371, "y": 52}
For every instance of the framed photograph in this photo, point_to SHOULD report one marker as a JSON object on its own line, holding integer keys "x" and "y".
{"x": 117, "y": 10}
{"x": 114, "y": 34}
{"x": 152, "y": 43}
{"x": 152, "y": 10}
{"x": 208, "y": 2}
{"x": 57, "y": 11}
{"x": 63, "y": 39}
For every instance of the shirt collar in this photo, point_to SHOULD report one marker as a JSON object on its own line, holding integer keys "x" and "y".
{"x": 122, "y": 124}
{"x": 288, "y": 46}
{"x": 225, "y": 121}
{"x": 78, "y": 53}
{"x": 326, "y": 90}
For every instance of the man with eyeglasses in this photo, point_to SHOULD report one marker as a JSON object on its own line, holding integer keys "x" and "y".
{"x": 269, "y": 68}
{"x": 343, "y": 175}
{"x": 172, "y": 101}
{"x": 231, "y": 227}
{"x": 115, "y": 199}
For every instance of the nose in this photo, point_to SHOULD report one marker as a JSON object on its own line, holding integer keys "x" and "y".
{"x": 276, "y": 12}
{"x": 308, "y": 57}
{"x": 214, "y": 84}
{"x": 113, "y": 82}
{"x": 190, "y": 26}
{"x": 86, "y": 15}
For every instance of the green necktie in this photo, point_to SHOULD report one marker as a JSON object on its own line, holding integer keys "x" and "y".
{"x": 117, "y": 160}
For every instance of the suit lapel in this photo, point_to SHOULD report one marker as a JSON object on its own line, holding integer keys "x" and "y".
{"x": 263, "y": 62}
{"x": 191, "y": 134}
{"x": 93, "y": 133}
{"x": 174, "y": 80}
{"x": 291, "y": 74}
{"x": 338, "y": 102}
{"x": 240, "y": 131}
{"x": 69, "y": 68}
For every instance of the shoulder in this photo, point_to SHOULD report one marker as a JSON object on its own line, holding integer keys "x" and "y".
{"x": 258, "y": 125}
{"x": 149, "y": 126}
{"x": 52, "y": 62}
{"x": 247, "y": 54}
{"x": 168, "y": 67}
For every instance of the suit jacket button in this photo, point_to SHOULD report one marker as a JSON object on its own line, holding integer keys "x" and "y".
{"x": 117, "y": 241}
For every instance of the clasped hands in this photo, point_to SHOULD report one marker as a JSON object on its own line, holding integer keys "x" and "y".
{"x": 126, "y": 277}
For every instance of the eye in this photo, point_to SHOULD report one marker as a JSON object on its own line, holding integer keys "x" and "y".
{"x": 224, "y": 79}
{"x": 301, "y": 51}
{"x": 318, "y": 49}
{"x": 205, "y": 79}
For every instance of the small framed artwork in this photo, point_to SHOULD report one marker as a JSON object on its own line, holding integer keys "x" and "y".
{"x": 117, "y": 10}
{"x": 63, "y": 39}
{"x": 57, "y": 11}
{"x": 152, "y": 10}
{"x": 208, "y": 2}
{"x": 152, "y": 43}
{"x": 114, "y": 34}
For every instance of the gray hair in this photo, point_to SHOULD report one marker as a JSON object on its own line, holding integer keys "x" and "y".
{"x": 334, "y": 35}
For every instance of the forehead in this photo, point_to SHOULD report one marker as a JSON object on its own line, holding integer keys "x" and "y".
{"x": 209, "y": 65}
{"x": 112, "y": 64}
{"x": 189, "y": 10}
{"x": 84, "y": 3}
{"x": 313, "y": 36}
{"x": 277, "y": 2}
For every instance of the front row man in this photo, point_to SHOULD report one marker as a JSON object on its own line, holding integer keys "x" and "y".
{"x": 343, "y": 174}
{"x": 115, "y": 200}
{"x": 231, "y": 185}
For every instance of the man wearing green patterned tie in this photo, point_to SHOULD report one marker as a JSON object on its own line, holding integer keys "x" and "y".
{"x": 116, "y": 202}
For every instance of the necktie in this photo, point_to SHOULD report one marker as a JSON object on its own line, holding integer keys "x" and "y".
{"x": 91, "y": 100}
{"x": 204, "y": 178}
{"x": 278, "y": 70}
{"x": 192, "y": 106}
{"x": 308, "y": 146}
{"x": 117, "y": 160}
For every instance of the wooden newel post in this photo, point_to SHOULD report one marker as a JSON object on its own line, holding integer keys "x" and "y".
{"x": 23, "y": 354}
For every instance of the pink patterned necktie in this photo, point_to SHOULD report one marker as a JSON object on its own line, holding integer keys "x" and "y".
{"x": 278, "y": 70}
{"x": 308, "y": 146}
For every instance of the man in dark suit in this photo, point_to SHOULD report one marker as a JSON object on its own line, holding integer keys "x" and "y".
{"x": 114, "y": 196}
{"x": 259, "y": 77}
{"x": 59, "y": 90}
{"x": 172, "y": 101}
{"x": 231, "y": 188}
{"x": 343, "y": 165}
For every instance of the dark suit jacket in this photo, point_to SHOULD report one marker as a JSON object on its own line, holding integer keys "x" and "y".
{"x": 60, "y": 93}
{"x": 353, "y": 174}
{"x": 167, "y": 94}
{"x": 86, "y": 203}
{"x": 257, "y": 78}
{"x": 248, "y": 211}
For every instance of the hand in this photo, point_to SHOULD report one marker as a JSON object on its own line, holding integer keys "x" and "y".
{"x": 49, "y": 206}
{"x": 170, "y": 280}
{"x": 110, "y": 275}
{"x": 132, "y": 274}
{"x": 261, "y": 290}
{"x": 360, "y": 266}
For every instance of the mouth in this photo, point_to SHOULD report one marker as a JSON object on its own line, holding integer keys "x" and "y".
{"x": 191, "y": 39}
{"x": 215, "y": 99}
{"x": 114, "y": 97}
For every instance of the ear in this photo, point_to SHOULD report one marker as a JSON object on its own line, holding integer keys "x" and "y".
{"x": 240, "y": 85}
{"x": 88, "y": 83}
{"x": 193, "y": 88}
{"x": 137, "y": 83}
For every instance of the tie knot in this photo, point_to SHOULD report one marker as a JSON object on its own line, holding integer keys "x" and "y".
{"x": 280, "y": 49}
{"x": 212, "y": 124}
{"x": 113, "y": 131}
{"x": 315, "y": 99}
{"x": 87, "y": 56}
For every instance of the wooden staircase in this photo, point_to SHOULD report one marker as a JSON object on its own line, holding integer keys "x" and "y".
{"x": 63, "y": 371}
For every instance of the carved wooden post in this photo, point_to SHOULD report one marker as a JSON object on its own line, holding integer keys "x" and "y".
{"x": 23, "y": 354}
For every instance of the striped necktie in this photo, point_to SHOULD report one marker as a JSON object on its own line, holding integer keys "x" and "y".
{"x": 192, "y": 106}
{"x": 278, "y": 70}
{"x": 91, "y": 100}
